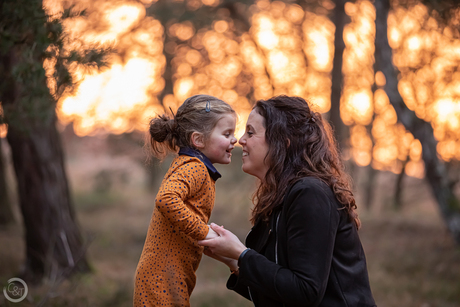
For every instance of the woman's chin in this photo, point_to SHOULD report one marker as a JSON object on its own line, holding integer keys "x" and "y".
{"x": 247, "y": 170}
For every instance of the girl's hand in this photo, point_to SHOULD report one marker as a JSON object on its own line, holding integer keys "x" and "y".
{"x": 225, "y": 245}
{"x": 211, "y": 234}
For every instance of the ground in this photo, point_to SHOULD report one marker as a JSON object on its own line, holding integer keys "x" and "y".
{"x": 412, "y": 259}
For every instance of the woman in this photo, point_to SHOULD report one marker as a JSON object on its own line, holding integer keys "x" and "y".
{"x": 304, "y": 248}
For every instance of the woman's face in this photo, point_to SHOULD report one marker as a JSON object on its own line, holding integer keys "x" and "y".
{"x": 255, "y": 148}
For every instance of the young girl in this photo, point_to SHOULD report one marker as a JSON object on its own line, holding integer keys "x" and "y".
{"x": 203, "y": 131}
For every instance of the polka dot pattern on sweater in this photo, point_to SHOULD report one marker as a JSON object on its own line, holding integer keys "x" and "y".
{"x": 165, "y": 274}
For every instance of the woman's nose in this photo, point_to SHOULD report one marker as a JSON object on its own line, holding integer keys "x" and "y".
{"x": 242, "y": 140}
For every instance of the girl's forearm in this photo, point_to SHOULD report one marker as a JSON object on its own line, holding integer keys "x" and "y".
{"x": 211, "y": 234}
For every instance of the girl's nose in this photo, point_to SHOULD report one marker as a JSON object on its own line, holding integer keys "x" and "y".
{"x": 234, "y": 140}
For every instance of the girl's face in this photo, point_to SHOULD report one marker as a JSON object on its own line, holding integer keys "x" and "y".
{"x": 255, "y": 147}
{"x": 221, "y": 141}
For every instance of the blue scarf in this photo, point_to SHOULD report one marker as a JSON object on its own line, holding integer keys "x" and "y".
{"x": 187, "y": 151}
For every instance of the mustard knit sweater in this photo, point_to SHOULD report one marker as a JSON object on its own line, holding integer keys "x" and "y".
{"x": 165, "y": 275}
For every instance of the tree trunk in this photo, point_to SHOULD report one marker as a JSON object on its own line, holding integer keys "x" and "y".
{"x": 398, "y": 203}
{"x": 6, "y": 212}
{"x": 54, "y": 246}
{"x": 340, "y": 19}
{"x": 435, "y": 170}
{"x": 369, "y": 187}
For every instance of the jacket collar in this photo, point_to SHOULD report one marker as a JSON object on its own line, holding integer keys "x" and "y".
{"x": 191, "y": 152}
{"x": 259, "y": 235}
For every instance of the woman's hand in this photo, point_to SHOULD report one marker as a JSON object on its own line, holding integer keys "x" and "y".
{"x": 226, "y": 245}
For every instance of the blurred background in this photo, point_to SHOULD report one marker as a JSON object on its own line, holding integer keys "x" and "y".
{"x": 80, "y": 80}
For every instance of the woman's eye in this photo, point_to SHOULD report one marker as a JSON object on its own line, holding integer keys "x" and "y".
{"x": 250, "y": 133}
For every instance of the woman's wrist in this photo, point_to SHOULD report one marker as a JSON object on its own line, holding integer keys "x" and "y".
{"x": 241, "y": 249}
{"x": 235, "y": 264}
{"x": 242, "y": 255}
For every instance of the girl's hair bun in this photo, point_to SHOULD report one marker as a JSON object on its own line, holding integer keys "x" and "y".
{"x": 162, "y": 128}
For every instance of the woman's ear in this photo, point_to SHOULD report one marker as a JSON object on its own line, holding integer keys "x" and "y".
{"x": 197, "y": 140}
{"x": 288, "y": 143}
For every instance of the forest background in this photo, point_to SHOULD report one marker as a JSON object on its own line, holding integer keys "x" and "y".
{"x": 81, "y": 79}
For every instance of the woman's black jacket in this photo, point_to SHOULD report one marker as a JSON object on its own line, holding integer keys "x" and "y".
{"x": 309, "y": 254}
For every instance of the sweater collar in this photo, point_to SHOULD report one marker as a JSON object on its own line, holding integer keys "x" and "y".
{"x": 187, "y": 151}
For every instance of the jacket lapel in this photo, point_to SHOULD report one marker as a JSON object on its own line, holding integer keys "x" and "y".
{"x": 258, "y": 236}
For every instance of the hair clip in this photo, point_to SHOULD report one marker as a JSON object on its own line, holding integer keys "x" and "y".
{"x": 312, "y": 119}
{"x": 208, "y": 106}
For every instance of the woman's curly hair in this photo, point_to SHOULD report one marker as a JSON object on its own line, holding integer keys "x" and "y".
{"x": 301, "y": 144}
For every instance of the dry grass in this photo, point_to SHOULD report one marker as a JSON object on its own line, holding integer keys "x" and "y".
{"x": 412, "y": 261}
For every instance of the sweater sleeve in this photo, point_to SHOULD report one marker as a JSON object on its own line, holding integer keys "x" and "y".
{"x": 185, "y": 182}
{"x": 311, "y": 225}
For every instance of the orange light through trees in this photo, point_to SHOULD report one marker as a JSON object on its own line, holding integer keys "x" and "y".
{"x": 286, "y": 50}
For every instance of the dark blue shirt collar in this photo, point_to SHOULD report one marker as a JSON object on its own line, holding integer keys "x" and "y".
{"x": 198, "y": 154}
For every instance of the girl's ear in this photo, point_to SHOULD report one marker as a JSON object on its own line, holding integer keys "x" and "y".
{"x": 197, "y": 140}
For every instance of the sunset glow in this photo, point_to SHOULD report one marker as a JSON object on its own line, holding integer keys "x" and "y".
{"x": 286, "y": 51}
